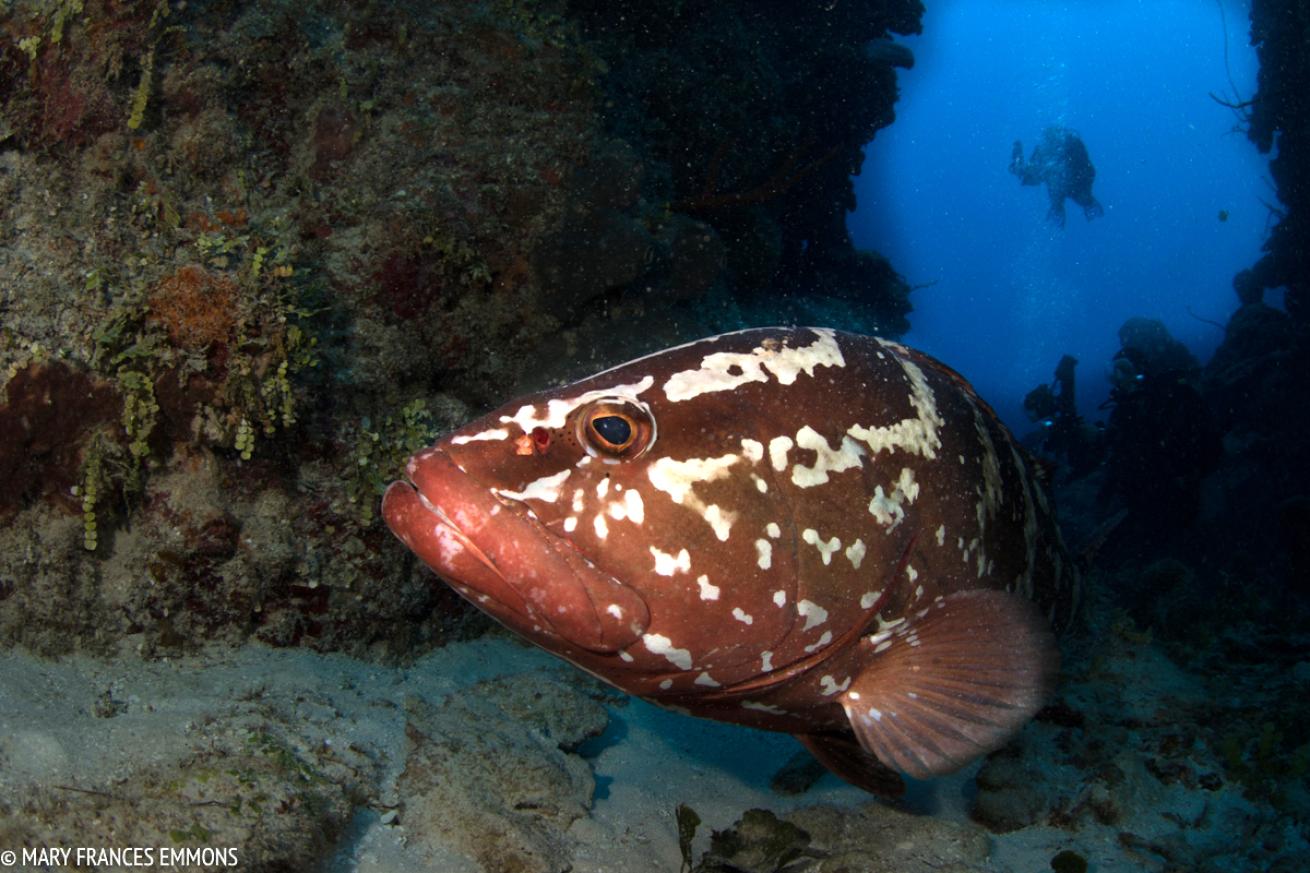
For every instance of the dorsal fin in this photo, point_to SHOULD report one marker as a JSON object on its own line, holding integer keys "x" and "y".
{"x": 953, "y": 683}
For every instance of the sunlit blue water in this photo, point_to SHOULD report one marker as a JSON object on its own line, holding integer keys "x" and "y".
{"x": 1012, "y": 293}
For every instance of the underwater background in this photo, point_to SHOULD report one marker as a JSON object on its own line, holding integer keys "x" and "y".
{"x": 1174, "y": 171}
{"x": 255, "y": 254}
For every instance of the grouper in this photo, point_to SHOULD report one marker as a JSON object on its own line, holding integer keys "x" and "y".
{"x": 795, "y": 529}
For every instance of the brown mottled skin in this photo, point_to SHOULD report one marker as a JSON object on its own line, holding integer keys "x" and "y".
{"x": 755, "y": 455}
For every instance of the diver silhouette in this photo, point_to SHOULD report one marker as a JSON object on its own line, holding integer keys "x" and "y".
{"x": 1060, "y": 161}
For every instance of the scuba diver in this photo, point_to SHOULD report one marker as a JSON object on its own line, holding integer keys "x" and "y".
{"x": 1060, "y": 161}
{"x": 1064, "y": 433}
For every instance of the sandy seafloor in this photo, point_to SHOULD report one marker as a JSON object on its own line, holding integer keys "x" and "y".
{"x": 649, "y": 760}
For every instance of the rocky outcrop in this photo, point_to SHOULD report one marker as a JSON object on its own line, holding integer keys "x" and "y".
{"x": 258, "y": 253}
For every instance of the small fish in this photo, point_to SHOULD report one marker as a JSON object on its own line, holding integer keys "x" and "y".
{"x": 795, "y": 529}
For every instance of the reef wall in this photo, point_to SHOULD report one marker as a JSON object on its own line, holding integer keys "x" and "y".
{"x": 256, "y": 253}
{"x": 1279, "y": 115}
{"x": 1258, "y": 379}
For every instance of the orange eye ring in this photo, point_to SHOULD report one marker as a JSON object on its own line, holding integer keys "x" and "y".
{"x": 616, "y": 428}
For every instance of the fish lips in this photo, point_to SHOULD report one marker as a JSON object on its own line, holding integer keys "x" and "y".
{"x": 496, "y": 553}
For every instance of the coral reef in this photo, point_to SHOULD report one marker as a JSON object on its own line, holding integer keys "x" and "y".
{"x": 763, "y": 159}
{"x": 1159, "y": 428}
{"x": 1167, "y": 757}
{"x": 258, "y": 251}
{"x": 505, "y": 795}
{"x": 873, "y": 839}
{"x": 196, "y": 308}
{"x": 264, "y": 753}
{"x": 224, "y": 226}
{"x": 1279, "y": 114}
{"x": 256, "y": 254}
{"x": 49, "y": 416}
{"x": 244, "y": 774}
{"x": 1197, "y": 479}
{"x": 473, "y": 758}
{"x": 259, "y": 796}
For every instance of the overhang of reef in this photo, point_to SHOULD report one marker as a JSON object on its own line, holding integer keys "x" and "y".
{"x": 750, "y": 119}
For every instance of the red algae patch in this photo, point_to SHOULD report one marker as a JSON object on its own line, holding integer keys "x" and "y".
{"x": 196, "y": 307}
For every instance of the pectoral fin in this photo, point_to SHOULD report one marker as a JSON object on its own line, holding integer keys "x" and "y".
{"x": 957, "y": 683}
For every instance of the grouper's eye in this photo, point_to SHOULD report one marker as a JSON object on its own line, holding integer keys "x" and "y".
{"x": 616, "y": 428}
{"x": 615, "y": 431}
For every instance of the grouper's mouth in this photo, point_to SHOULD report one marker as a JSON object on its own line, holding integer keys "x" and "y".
{"x": 499, "y": 556}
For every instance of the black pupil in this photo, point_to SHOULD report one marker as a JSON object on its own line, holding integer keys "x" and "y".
{"x": 613, "y": 429}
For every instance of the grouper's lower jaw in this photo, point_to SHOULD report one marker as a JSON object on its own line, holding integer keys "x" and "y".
{"x": 510, "y": 564}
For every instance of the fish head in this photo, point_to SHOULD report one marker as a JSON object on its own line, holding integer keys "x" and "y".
{"x": 488, "y": 509}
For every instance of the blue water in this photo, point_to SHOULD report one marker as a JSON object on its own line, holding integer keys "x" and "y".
{"x": 1012, "y": 293}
